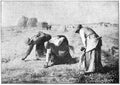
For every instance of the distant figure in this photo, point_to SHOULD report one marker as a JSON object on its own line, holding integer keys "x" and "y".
{"x": 37, "y": 40}
{"x": 57, "y": 51}
{"x": 65, "y": 29}
{"x": 90, "y": 61}
{"x": 49, "y": 27}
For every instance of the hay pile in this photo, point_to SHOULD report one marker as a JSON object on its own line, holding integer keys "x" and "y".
{"x": 22, "y": 22}
{"x": 44, "y": 25}
{"x": 27, "y": 22}
{"x": 32, "y": 22}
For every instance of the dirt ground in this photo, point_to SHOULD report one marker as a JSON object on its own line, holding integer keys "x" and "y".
{"x": 14, "y": 70}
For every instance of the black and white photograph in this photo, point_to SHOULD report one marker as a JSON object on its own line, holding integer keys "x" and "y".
{"x": 59, "y": 41}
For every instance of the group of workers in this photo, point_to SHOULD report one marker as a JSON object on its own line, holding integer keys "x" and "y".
{"x": 57, "y": 49}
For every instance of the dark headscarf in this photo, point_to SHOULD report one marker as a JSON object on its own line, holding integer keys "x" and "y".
{"x": 39, "y": 38}
{"x": 78, "y": 28}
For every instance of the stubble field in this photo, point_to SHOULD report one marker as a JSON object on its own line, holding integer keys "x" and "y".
{"x": 14, "y": 70}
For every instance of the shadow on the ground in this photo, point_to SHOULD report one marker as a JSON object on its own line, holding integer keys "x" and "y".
{"x": 70, "y": 61}
{"x": 74, "y": 60}
{"x": 106, "y": 53}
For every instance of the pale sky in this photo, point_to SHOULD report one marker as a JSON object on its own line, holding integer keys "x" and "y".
{"x": 0, "y": 13}
{"x": 60, "y": 0}
{"x": 60, "y": 12}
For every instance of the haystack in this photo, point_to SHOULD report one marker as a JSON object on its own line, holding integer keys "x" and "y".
{"x": 22, "y": 22}
{"x": 32, "y": 22}
{"x": 44, "y": 25}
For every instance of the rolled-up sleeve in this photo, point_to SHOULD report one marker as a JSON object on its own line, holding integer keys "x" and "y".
{"x": 48, "y": 54}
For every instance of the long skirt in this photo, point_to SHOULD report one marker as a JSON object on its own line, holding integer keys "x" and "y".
{"x": 91, "y": 61}
{"x": 55, "y": 60}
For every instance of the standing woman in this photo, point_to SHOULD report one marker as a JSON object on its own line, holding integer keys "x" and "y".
{"x": 91, "y": 59}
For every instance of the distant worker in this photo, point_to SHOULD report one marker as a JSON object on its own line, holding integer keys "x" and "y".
{"x": 90, "y": 61}
{"x": 37, "y": 40}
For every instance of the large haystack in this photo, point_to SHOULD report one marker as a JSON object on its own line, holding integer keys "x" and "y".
{"x": 32, "y": 22}
{"x": 22, "y": 22}
{"x": 39, "y": 24}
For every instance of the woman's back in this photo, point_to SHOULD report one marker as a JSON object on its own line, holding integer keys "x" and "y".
{"x": 59, "y": 50}
{"x": 88, "y": 31}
